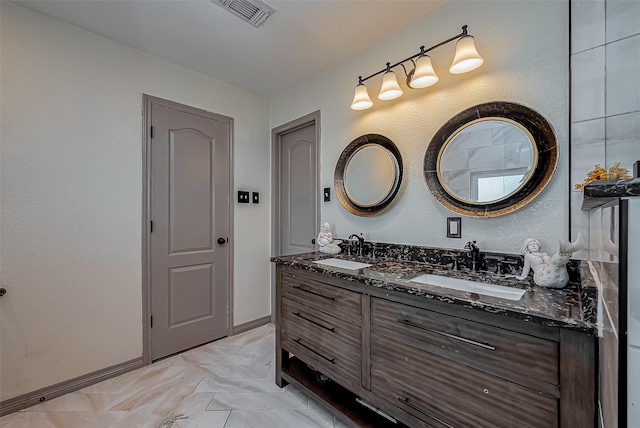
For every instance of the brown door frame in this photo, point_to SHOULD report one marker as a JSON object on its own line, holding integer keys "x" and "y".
{"x": 276, "y": 136}
{"x": 147, "y": 101}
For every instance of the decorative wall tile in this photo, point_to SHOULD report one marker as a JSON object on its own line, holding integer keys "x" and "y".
{"x": 623, "y": 140}
{"x": 588, "y": 83}
{"x": 622, "y": 81}
{"x": 587, "y": 148}
{"x": 587, "y": 24}
{"x": 622, "y": 19}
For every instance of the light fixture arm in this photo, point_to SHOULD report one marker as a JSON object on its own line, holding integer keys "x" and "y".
{"x": 408, "y": 73}
{"x": 422, "y": 75}
{"x": 422, "y": 52}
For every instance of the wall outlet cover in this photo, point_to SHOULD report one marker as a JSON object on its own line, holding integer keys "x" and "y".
{"x": 243, "y": 197}
{"x": 327, "y": 194}
{"x": 255, "y": 197}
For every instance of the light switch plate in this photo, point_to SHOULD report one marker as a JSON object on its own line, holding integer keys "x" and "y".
{"x": 255, "y": 197}
{"x": 327, "y": 194}
{"x": 243, "y": 197}
{"x": 454, "y": 227}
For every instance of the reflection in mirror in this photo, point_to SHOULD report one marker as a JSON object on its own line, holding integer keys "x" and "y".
{"x": 368, "y": 174}
{"x": 371, "y": 173}
{"x": 486, "y": 160}
{"x": 490, "y": 159}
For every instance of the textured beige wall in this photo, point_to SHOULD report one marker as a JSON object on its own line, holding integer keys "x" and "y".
{"x": 72, "y": 195}
{"x": 525, "y": 47}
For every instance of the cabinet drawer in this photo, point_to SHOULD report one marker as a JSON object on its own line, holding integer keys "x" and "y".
{"x": 313, "y": 319}
{"x": 521, "y": 358}
{"x": 336, "y": 301}
{"x": 337, "y": 356}
{"x": 440, "y": 386}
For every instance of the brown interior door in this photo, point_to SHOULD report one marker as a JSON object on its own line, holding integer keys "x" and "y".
{"x": 190, "y": 230}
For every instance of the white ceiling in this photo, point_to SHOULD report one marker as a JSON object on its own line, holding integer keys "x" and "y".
{"x": 301, "y": 38}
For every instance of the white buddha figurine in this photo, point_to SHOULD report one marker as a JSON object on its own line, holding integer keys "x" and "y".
{"x": 548, "y": 271}
{"x": 326, "y": 242}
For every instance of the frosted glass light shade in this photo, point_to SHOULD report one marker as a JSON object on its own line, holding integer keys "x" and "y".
{"x": 361, "y": 99}
{"x": 390, "y": 89}
{"x": 467, "y": 57}
{"x": 424, "y": 75}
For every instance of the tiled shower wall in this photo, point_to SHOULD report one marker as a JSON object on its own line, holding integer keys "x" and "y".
{"x": 605, "y": 93}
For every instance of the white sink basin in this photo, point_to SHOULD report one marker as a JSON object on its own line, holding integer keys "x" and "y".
{"x": 343, "y": 264}
{"x": 492, "y": 290}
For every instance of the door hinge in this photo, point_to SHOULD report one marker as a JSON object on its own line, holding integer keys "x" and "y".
{"x": 151, "y": 132}
{"x": 151, "y": 321}
{"x": 151, "y": 227}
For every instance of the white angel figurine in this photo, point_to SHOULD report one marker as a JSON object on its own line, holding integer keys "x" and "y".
{"x": 326, "y": 242}
{"x": 548, "y": 271}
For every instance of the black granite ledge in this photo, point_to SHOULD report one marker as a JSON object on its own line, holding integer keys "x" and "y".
{"x": 600, "y": 192}
{"x": 489, "y": 262}
{"x": 573, "y": 307}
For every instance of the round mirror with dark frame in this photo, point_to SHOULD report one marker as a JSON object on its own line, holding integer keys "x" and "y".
{"x": 490, "y": 159}
{"x": 368, "y": 174}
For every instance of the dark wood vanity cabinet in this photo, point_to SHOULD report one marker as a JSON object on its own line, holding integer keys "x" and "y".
{"x": 321, "y": 325}
{"x": 426, "y": 363}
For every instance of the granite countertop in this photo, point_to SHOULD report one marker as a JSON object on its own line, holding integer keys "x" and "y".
{"x": 600, "y": 192}
{"x": 573, "y": 307}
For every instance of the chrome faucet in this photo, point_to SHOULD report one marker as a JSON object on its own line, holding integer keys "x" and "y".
{"x": 359, "y": 243}
{"x": 472, "y": 248}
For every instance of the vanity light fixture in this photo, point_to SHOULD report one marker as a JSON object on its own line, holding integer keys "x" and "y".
{"x": 423, "y": 75}
{"x": 390, "y": 89}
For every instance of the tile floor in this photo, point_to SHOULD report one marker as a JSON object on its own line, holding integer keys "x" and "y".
{"x": 228, "y": 383}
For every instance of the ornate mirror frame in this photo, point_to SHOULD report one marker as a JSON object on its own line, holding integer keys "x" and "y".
{"x": 346, "y": 201}
{"x": 532, "y": 121}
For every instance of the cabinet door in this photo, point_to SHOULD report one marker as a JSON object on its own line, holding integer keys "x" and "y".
{"x": 421, "y": 382}
{"x": 524, "y": 359}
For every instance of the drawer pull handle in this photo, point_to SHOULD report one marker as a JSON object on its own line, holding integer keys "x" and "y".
{"x": 314, "y": 293}
{"x": 299, "y": 342}
{"x": 405, "y": 401}
{"x": 331, "y": 329}
{"x": 450, "y": 336}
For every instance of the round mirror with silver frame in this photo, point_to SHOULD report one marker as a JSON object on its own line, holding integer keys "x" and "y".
{"x": 368, "y": 174}
{"x": 490, "y": 159}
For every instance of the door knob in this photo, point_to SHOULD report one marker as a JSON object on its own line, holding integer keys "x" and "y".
{"x": 2, "y": 292}
{"x": 313, "y": 241}
{"x": 222, "y": 241}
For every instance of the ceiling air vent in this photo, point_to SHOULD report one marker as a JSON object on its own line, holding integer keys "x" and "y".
{"x": 255, "y": 12}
